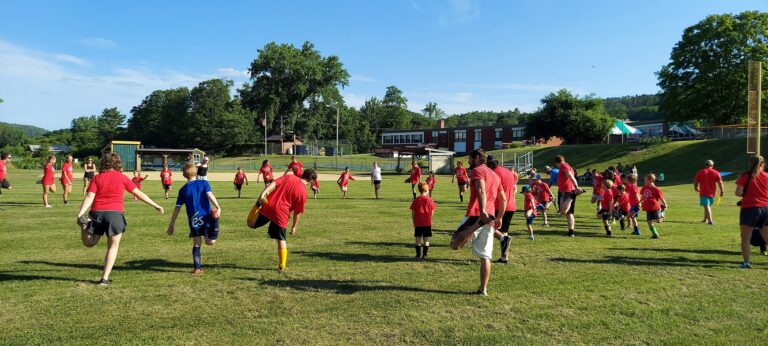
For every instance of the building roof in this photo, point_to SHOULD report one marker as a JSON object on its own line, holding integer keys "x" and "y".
{"x": 167, "y": 151}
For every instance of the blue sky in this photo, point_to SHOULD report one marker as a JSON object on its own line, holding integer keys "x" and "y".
{"x": 63, "y": 59}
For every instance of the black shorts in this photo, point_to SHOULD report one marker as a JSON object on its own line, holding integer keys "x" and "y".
{"x": 754, "y": 217}
{"x": 423, "y": 231}
{"x": 239, "y": 187}
{"x": 267, "y": 182}
{"x": 88, "y": 176}
{"x": 5, "y": 184}
{"x": 568, "y": 195}
{"x": 274, "y": 231}
{"x": 106, "y": 222}
{"x": 463, "y": 184}
{"x": 209, "y": 230}
{"x": 604, "y": 214}
{"x": 377, "y": 184}
{"x": 653, "y": 215}
{"x": 505, "y": 220}
{"x": 166, "y": 186}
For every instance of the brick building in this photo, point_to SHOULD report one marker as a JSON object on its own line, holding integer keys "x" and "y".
{"x": 458, "y": 139}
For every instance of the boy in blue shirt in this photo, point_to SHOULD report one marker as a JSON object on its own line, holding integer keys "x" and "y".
{"x": 203, "y": 221}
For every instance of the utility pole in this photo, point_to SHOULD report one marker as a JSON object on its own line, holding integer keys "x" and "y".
{"x": 336, "y": 150}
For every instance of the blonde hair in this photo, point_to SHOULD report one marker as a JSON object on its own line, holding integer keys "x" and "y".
{"x": 190, "y": 170}
{"x": 631, "y": 178}
{"x": 651, "y": 177}
{"x": 423, "y": 187}
{"x": 608, "y": 183}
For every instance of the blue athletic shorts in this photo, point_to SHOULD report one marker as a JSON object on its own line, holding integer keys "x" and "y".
{"x": 529, "y": 220}
{"x": 209, "y": 230}
{"x": 706, "y": 201}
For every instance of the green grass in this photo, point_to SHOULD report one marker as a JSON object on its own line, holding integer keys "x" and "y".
{"x": 351, "y": 278}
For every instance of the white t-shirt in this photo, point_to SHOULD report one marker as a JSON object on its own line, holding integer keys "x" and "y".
{"x": 376, "y": 174}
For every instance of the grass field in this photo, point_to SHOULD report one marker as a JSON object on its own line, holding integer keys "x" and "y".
{"x": 351, "y": 278}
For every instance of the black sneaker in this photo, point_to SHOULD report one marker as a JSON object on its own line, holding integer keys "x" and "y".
{"x": 505, "y": 240}
{"x": 655, "y": 236}
{"x": 502, "y": 261}
{"x": 608, "y": 234}
{"x": 104, "y": 282}
{"x": 570, "y": 233}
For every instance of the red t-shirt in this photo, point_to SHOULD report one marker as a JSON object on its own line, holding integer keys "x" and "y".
{"x": 431, "y": 182}
{"x": 616, "y": 178}
{"x": 266, "y": 172}
{"x": 492, "y": 188}
{"x": 530, "y": 203}
{"x": 651, "y": 196}
{"x": 3, "y": 170}
{"x": 634, "y": 199}
{"x": 423, "y": 206}
{"x": 607, "y": 200}
{"x": 624, "y": 202}
{"x": 289, "y": 195}
{"x": 165, "y": 177}
{"x": 564, "y": 184}
{"x": 315, "y": 184}
{"x": 240, "y": 178}
{"x": 297, "y": 168}
{"x": 345, "y": 178}
{"x": 137, "y": 181}
{"x": 415, "y": 175}
{"x": 757, "y": 192}
{"x": 707, "y": 179}
{"x": 109, "y": 188}
{"x": 541, "y": 192}
{"x": 597, "y": 185}
{"x": 461, "y": 174}
{"x": 508, "y": 184}
{"x": 48, "y": 173}
{"x": 66, "y": 171}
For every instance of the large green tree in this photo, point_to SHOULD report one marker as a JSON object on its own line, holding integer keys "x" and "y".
{"x": 161, "y": 118}
{"x": 215, "y": 121}
{"x": 707, "y": 75}
{"x": 10, "y": 135}
{"x": 575, "y": 120}
{"x": 111, "y": 124}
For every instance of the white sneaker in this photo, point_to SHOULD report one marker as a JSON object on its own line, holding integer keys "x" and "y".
{"x": 481, "y": 293}
{"x": 530, "y": 238}
{"x": 546, "y": 224}
{"x": 48, "y": 206}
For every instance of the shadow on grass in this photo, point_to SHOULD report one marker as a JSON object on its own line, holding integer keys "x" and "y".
{"x": 346, "y": 286}
{"x": 15, "y": 204}
{"x": 390, "y": 244}
{"x": 694, "y": 251}
{"x": 645, "y": 261}
{"x": 357, "y": 257}
{"x": 15, "y": 277}
{"x": 153, "y": 265}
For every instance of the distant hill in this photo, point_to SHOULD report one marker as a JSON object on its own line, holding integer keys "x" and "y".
{"x": 635, "y": 108}
{"x": 29, "y": 130}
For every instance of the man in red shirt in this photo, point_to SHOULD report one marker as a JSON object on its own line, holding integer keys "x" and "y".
{"x": 508, "y": 182}
{"x": 486, "y": 195}
{"x": 166, "y": 179}
{"x": 5, "y": 158}
{"x": 295, "y": 167}
{"x": 705, "y": 182}
{"x": 266, "y": 172}
{"x": 415, "y": 177}
{"x": 286, "y": 194}
{"x": 568, "y": 189}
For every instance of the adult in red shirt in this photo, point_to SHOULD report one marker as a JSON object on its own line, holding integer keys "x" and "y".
{"x": 508, "y": 183}
{"x": 752, "y": 187}
{"x": 415, "y": 178}
{"x": 567, "y": 189}
{"x": 240, "y": 178}
{"x": 166, "y": 178}
{"x": 66, "y": 178}
{"x": 5, "y": 159}
{"x": 47, "y": 181}
{"x": 105, "y": 202}
{"x": 705, "y": 182}
{"x": 266, "y": 172}
{"x": 486, "y": 195}
{"x": 295, "y": 167}
{"x": 343, "y": 181}
{"x": 460, "y": 175}
{"x": 285, "y": 195}
{"x": 422, "y": 209}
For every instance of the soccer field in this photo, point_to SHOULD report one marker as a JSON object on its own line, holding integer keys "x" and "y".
{"x": 352, "y": 279}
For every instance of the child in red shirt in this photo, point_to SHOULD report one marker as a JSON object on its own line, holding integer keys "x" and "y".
{"x": 315, "y": 186}
{"x": 240, "y": 178}
{"x": 166, "y": 180}
{"x": 543, "y": 196}
{"x": 529, "y": 205}
{"x": 422, "y": 210}
{"x": 431, "y": 182}
{"x": 651, "y": 196}
{"x": 606, "y": 206}
{"x": 343, "y": 181}
{"x": 622, "y": 205}
{"x": 137, "y": 179}
{"x": 634, "y": 201}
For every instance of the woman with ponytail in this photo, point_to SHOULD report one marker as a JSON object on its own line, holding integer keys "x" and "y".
{"x": 752, "y": 187}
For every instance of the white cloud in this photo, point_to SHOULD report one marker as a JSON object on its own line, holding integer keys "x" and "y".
{"x": 234, "y": 73}
{"x": 72, "y": 60}
{"x": 417, "y": 7}
{"x": 362, "y": 78}
{"x": 98, "y": 42}
{"x": 460, "y": 12}
{"x": 354, "y": 100}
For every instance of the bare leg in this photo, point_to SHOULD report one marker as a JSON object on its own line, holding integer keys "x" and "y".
{"x": 113, "y": 244}
{"x": 485, "y": 273}
{"x": 708, "y": 214}
{"x": 571, "y": 221}
{"x": 746, "y": 236}
{"x": 45, "y": 195}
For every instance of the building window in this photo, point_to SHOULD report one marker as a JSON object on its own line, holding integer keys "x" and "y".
{"x": 434, "y": 135}
{"x": 460, "y": 135}
{"x": 499, "y": 135}
{"x": 517, "y": 133}
{"x": 478, "y": 134}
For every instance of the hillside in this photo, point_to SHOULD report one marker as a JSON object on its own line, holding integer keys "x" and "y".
{"x": 29, "y": 130}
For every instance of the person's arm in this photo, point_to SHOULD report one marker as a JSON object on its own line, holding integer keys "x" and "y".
{"x": 570, "y": 176}
{"x": 258, "y": 176}
{"x": 145, "y": 177}
{"x": 720, "y": 185}
{"x": 172, "y": 224}
{"x": 739, "y": 192}
{"x": 696, "y": 186}
{"x": 501, "y": 202}
{"x": 266, "y": 192}
{"x": 295, "y": 222}
{"x": 246, "y": 178}
{"x": 480, "y": 186}
{"x": 144, "y": 198}
{"x": 452, "y": 177}
{"x": 215, "y": 202}
{"x": 87, "y": 203}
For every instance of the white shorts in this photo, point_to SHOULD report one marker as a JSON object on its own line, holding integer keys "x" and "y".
{"x": 344, "y": 189}
{"x": 482, "y": 241}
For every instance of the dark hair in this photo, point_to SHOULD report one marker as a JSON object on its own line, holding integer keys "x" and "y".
{"x": 492, "y": 162}
{"x": 309, "y": 174}
{"x": 478, "y": 154}
{"x": 264, "y": 163}
{"x": 754, "y": 165}
{"x": 559, "y": 159}
{"x": 346, "y": 168}
{"x": 110, "y": 161}
{"x": 4, "y": 156}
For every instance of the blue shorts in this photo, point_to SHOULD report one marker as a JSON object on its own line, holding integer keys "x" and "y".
{"x": 529, "y": 220}
{"x": 542, "y": 206}
{"x": 706, "y": 201}
{"x": 209, "y": 229}
{"x": 634, "y": 210}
